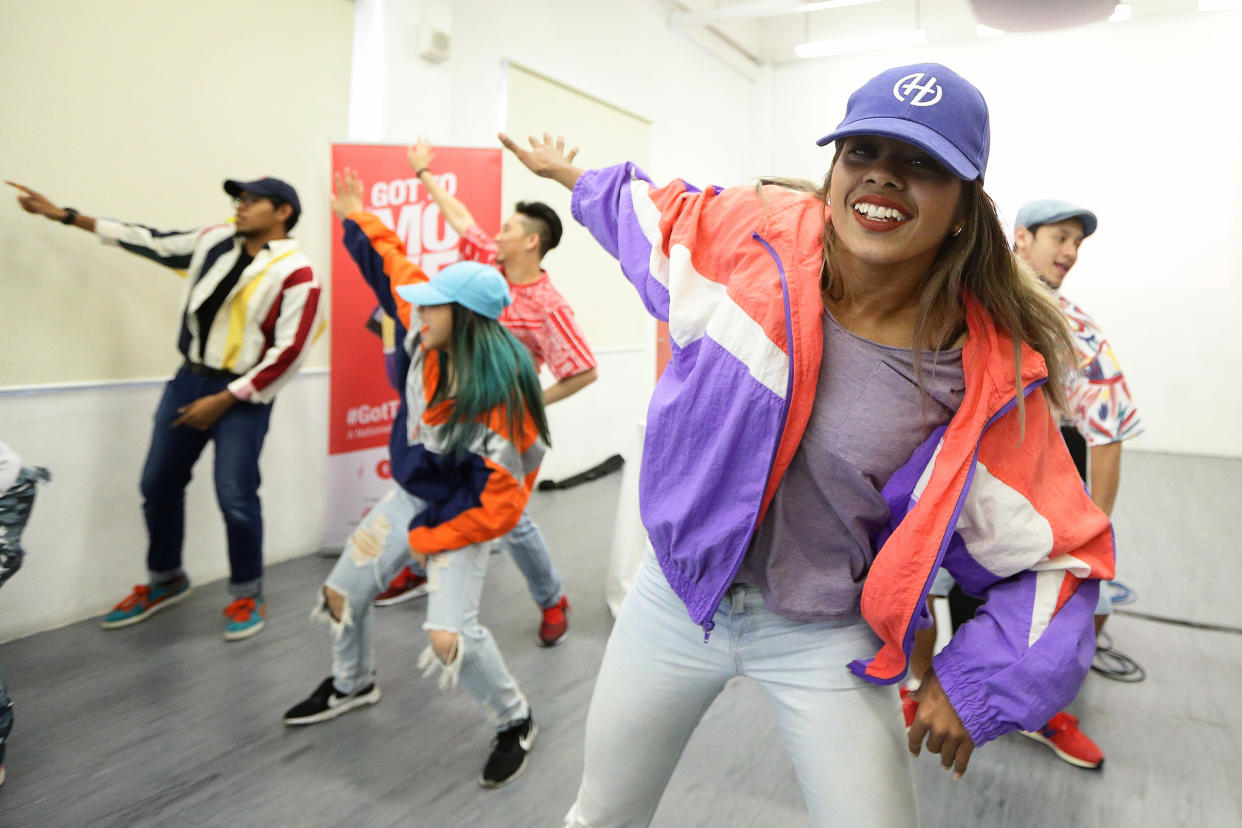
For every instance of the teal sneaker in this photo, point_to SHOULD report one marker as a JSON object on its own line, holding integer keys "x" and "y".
{"x": 145, "y": 601}
{"x": 245, "y": 618}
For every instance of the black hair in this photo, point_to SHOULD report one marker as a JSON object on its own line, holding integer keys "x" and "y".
{"x": 293, "y": 217}
{"x": 544, "y": 221}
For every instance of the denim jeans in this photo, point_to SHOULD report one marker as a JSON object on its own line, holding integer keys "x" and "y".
{"x": 373, "y": 555}
{"x": 530, "y": 553}
{"x": 845, "y": 735}
{"x": 15, "y": 505}
{"x": 238, "y": 437}
{"x": 6, "y": 716}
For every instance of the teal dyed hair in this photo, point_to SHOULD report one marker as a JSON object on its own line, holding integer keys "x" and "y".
{"x": 490, "y": 367}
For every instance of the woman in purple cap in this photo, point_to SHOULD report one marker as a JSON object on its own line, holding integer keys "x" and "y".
{"x": 859, "y": 393}
{"x": 465, "y": 449}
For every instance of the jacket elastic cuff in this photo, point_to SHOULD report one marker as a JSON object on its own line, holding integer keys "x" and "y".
{"x": 969, "y": 702}
{"x": 580, "y": 187}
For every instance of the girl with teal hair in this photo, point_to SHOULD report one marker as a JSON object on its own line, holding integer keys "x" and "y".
{"x": 465, "y": 448}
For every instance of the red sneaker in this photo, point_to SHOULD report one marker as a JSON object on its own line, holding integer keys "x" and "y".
{"x": 405, "y": 586}
{"x": 1067, "y": 741}
{"x": 555, "y": 624}
{"x": 908, "y": 707}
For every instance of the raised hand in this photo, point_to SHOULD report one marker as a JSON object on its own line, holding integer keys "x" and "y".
{"x": 419, "y": 155}
{"x": 35, "y": 202}
{"x": 547, "y": 157}
{"x": 346, "y": 193}
{"x": 939, "y": 723}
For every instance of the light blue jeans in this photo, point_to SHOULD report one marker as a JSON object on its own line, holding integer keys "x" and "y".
{"x": 530, "y": 553}
{"x": 374, "y": 554}
{"x": 845, "y": 736}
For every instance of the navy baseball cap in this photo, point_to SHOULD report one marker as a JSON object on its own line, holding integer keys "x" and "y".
{"x": 472, "y": 285}
{"x": 268, "y": 188}
{"x": 1050, "y": 211}
{"x": 928, "y": 105}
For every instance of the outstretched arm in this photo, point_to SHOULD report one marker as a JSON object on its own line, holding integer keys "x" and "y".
{"x": 35, "y": 202}
{"x": 454, "y": 212}
{"x": 547, "y": 158}
{"x": 377, "y": 250}
{"x": 569, "y": 386}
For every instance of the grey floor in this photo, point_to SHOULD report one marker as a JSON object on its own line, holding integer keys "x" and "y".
{"x": 165, "y": 724}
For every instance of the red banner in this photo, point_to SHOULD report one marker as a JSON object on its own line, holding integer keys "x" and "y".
{"x": 362, "y": 404}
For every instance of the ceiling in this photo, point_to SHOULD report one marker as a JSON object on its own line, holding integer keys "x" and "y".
{"x": 753, "y": 33}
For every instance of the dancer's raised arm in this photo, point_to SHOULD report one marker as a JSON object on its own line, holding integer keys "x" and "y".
{"x": 546, "y": 158}
{"x": 452, "y": 208}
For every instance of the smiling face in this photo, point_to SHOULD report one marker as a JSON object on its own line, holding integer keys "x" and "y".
{"x": 437, "y": 330}
{"x": 892, "y": 203}
{"x": 1051, "y": 250}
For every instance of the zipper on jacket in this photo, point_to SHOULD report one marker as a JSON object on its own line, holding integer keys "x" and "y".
{"x": 709, "y": 625}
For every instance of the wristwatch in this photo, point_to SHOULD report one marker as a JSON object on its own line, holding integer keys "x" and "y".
{"x": 70, "y": 215}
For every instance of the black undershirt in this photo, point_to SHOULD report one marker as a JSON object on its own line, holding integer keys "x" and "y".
{"x": 206, "y": 312}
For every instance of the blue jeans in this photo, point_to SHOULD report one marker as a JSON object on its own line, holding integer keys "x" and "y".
{"x": 373, "y": 555}
{"x": 6, "y": 717}
{"x": 845, "y": 735}
{"x": 530, "y": 552}
{"x": 15, "y": 505}
{"x": 238, "y": 437}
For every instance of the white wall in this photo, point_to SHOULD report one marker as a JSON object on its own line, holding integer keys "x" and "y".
{"x": 1137, "y": 121}
{"x": 140, "y": 109}
{"x": 622, "y": 53}
{"x": 86, "y": 543}
{"x": 86, "y": 539}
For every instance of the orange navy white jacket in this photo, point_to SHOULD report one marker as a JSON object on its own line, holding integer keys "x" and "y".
{"x": 473, "y": 497}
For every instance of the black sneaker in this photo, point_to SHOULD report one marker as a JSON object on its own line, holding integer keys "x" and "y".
{"x": 509, "y": 751}
{"x": 325, "y": 703}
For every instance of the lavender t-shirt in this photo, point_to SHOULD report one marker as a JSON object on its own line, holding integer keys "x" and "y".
{"x": 812, "y": 552}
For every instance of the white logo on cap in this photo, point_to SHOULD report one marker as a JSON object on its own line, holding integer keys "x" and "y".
{"x": 903, "y": 88}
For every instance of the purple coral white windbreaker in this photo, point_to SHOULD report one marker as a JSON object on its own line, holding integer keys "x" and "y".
{"x": 735, "y": 273}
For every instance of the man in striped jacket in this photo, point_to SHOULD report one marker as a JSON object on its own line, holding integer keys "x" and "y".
{"x": 252, "y": 307}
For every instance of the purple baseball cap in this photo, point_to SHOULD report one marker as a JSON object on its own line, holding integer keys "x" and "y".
{"x": 928, "y": 105}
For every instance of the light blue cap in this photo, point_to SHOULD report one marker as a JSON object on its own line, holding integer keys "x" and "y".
{"x": 472, "y": 285}
{"x": 1050, "y": 211}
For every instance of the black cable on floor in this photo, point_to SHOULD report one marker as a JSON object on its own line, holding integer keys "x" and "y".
{"x": 1115, "y": 665}
{"x": 1110, "y": 663}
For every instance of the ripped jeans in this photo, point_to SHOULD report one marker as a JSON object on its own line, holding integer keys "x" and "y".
{"x": 374, "y": 554}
